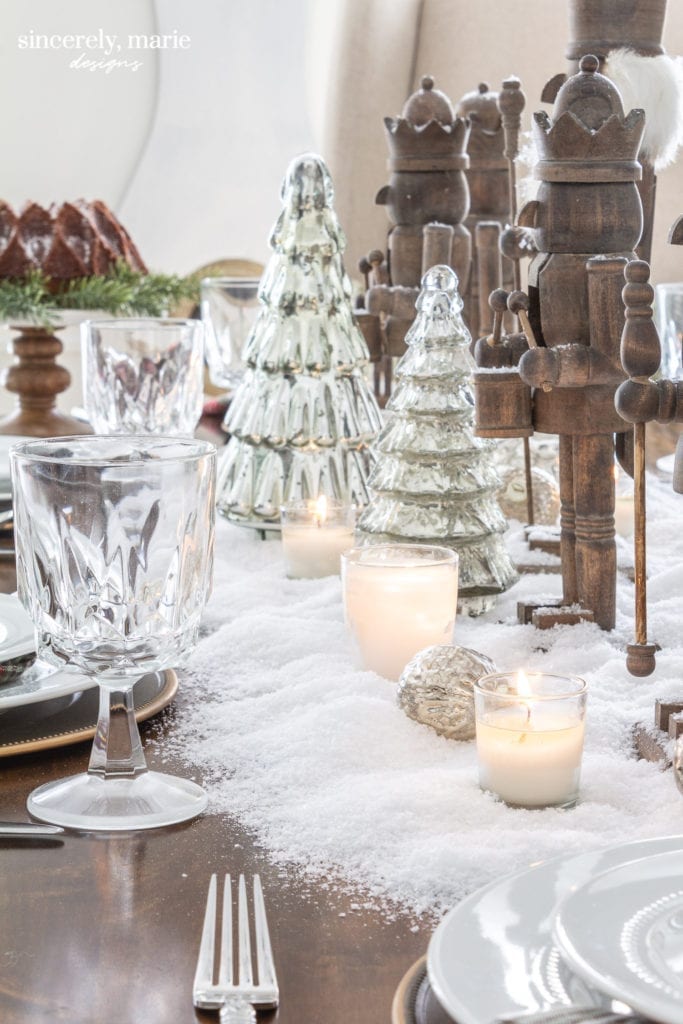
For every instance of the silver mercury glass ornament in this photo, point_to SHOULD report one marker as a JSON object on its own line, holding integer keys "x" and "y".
{"x": 436, "y": 688}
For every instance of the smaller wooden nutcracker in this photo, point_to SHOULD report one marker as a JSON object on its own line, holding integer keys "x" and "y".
{"x": 427, "y": 188}
{"x": 487, "y": 177}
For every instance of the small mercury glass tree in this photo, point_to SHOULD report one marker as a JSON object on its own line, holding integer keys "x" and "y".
{"x": 304, "y": 416}
{"x": 433, "y": 480}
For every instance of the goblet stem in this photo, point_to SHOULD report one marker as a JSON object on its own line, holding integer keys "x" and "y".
{"x": 117, "y": 750}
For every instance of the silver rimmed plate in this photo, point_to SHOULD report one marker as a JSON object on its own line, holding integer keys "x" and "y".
{"x": 494, "y": 953}
{"x": 72, "y": 717}
{"x": 43, "y": 682}
{"x": 16, "y": 630}
{"x": 622, "y": 932}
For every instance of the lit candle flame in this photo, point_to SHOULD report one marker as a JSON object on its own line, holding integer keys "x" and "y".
{"x": 320, "y": 513}
{"x": 523, "y": 685}
{"x": 525, "y": 692}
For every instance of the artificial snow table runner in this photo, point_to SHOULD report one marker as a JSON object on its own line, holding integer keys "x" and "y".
{"x": 315, "y": 757}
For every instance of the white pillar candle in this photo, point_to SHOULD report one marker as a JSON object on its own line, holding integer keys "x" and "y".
{"x": 398, "y": 599}
{"x": 624, "y": 504}
{"x": 530, "y": 737}
{"x": 624, "y": 515}
{"x": 314, "y": 536}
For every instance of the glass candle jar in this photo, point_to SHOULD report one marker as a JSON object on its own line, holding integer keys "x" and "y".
{"x": 530, "y": 729}
{"x": 398, "y": 599}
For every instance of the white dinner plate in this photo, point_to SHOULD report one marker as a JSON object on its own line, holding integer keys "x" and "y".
{"x": 17, "y": 636}
{"x": 43, "y": 682}
{"x": 494, "y": 953}
{"x": 623, "y": 933}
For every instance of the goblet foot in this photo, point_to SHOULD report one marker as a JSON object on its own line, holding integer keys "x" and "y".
{"x": 91, "y": 803}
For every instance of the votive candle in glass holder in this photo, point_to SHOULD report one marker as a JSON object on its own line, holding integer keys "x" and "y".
{"x": 398, "y": 599}
{"x": 315, "y": 533}
{"x": 530, "y": 729}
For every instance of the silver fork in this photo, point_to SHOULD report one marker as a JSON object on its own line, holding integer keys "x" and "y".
{"x": 235, "y": 999}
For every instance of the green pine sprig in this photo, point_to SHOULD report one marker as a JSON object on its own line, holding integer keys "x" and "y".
{"x": 123, "y": 292}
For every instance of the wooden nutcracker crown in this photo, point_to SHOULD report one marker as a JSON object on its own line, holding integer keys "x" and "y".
{"x": 585, "y": 223}
{"x": 602, "y": 27}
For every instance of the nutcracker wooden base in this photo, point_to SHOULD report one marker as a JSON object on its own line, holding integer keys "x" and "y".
{"x": 546, "y": 614}
{"x": 653, "y": 743}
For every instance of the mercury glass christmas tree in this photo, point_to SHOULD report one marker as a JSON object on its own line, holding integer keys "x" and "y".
{"x": 433, "y": 480}
{"x": 304, "y": 416}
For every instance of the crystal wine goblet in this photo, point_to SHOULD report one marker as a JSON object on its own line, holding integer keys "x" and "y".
{"x": 114, "y": 540}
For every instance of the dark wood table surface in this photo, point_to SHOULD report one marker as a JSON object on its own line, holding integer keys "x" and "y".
{"x": 104, "y": 929}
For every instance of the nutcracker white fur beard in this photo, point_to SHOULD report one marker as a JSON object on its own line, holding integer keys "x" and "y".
{"x": 656, "y": 85}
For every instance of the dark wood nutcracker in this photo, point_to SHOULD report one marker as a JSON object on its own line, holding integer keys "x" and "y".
{"x": 586, "y": 222}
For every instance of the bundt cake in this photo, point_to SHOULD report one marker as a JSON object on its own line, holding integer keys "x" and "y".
{"x": 73, "y": 240}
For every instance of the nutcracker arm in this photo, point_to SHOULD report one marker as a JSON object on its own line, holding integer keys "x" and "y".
{"x": 393, "y": 300}
{"x": 566, "y": 366}
{"x": 643, "y": 400}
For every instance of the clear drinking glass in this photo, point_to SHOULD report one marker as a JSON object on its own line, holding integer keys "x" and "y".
{"x": 669, "y": 320}
{"x": 143, "y": 376}
{"x": 398, "y": 599}
{"x": 114, "y": 539}
{"x": 229, "y": 308}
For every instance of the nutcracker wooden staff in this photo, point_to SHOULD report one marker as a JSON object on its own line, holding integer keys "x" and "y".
{"x": 511, "y": 102}
{"x": 640, "y": 357}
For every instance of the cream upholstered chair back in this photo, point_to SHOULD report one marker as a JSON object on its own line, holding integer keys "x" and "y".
{"x": 371, "y": 55}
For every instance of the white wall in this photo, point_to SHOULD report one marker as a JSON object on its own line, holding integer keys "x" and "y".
{"x": 68, "y": 134}
{"x": 232, "y": 112}
{"x": 190, "y": 149}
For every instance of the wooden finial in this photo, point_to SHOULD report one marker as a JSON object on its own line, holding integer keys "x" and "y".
{"x": 640, "y": 349}
{"x": 518, "y": 303}
{"x": 365, "y": 267}
{"x": 378, "y": 273}
{"x": 511, "y": 102}
{"x": 498, "y": 301}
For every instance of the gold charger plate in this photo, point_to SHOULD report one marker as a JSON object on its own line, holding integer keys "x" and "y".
{"x": 414, "y": 1002}
{"x": 73, "y": 719}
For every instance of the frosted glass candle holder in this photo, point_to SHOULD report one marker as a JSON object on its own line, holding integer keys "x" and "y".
{"x": 530, "y": 737}
{"x": 315, "y": 533}
{"x": 398, "y": 599}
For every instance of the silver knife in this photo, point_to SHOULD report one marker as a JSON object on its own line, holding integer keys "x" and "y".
{"x": 28, "y": 830}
